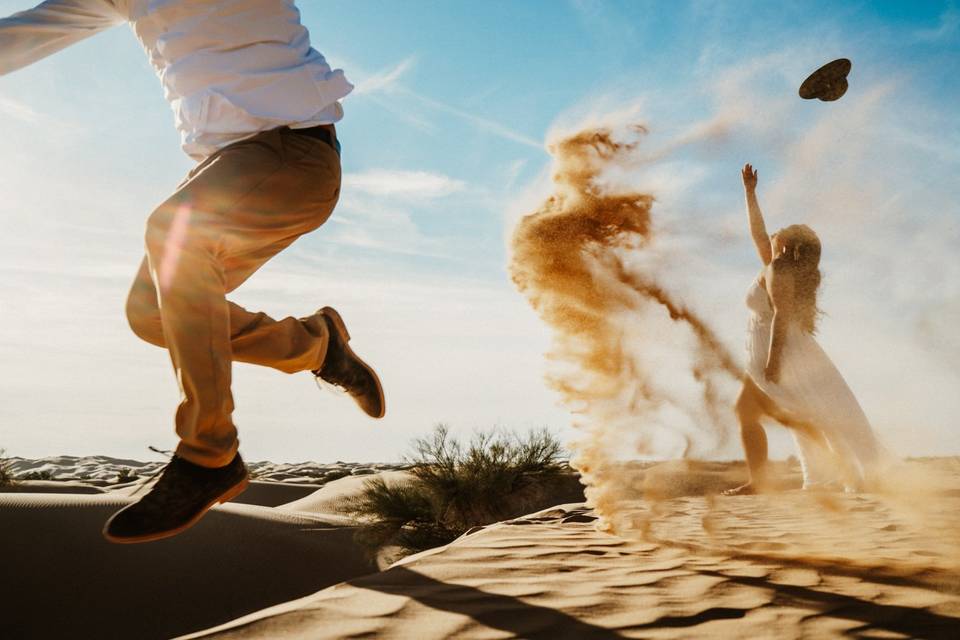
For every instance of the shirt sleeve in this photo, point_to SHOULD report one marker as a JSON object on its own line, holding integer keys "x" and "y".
{"x": 36, "y": 33}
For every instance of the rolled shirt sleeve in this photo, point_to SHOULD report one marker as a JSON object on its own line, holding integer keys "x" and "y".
{"x": 36, "y": 33}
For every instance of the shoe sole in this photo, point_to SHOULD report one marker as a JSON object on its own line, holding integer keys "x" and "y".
{"x": 341, "y": 327}
{"x": 227, "y": 496}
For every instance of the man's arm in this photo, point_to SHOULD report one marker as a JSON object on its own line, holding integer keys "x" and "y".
{"x": 36, "y": 33}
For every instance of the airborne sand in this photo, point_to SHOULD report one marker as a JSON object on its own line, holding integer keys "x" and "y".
{"x": 570, "y": 259}
{"x": 642, "y": 372}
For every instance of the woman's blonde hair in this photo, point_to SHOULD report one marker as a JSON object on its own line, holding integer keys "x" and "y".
{"x": 801, "y": 258}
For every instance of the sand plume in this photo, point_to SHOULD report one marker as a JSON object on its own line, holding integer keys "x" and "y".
{"x": 647, "y": 377}
{"x": 642, "y": 371}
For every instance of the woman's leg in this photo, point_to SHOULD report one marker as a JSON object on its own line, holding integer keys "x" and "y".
{"x": 823, "y": 465}
{"x": 749, "y": 410}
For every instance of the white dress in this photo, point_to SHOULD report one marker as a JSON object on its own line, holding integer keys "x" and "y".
{"x": 812, "y": 391}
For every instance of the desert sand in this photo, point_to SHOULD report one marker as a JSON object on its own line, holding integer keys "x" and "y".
{"x": 788, "y": 565}
{"x": 61, "y": 579}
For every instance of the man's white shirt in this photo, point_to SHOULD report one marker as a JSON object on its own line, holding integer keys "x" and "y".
{"x": 229, "y": 68}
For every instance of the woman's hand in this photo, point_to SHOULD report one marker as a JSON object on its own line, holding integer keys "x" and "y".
{"x": 749, "y": 177}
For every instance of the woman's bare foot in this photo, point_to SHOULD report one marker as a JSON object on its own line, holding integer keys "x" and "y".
{"x": 747, "y": 489}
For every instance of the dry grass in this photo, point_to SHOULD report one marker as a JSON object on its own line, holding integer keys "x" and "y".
{"x": 456, "y": 486}
{"x": 6, "y": 475}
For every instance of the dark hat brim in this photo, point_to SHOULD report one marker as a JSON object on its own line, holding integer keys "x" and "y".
{"x": 827, "y": 83}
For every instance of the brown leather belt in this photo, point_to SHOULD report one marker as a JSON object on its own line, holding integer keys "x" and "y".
{"x": 325, "y": 132}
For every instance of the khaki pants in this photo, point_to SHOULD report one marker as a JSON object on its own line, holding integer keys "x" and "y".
{"x": 231, "y": 214}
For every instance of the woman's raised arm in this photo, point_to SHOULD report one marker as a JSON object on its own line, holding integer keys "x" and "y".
{"x": 757, "y": 229}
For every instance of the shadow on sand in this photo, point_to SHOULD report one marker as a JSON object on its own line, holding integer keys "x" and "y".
{"x": 506, "y": 613}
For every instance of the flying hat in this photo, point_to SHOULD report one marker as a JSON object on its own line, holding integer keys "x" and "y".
{"x": 827, "y": 83}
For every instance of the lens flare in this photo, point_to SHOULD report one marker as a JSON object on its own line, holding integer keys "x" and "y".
{"x": 173, "y": 247}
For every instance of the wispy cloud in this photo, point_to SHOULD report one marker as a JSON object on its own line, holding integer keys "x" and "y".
{"x": 408, "y": 185}
{"x": 385, "y": 80}
{"x": 18, "y": 110}
{"x": 512, "y": 173}
{"x": 947, "y": 27}
{"x": 605, "y": 23}
{"x": 379, "y": 206}
{"x": 481, "y": 122}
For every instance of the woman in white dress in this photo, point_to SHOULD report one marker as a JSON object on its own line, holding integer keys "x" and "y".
{"x": 789, "y": 378}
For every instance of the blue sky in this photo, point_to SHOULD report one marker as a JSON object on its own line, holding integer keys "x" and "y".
{"x": 444, "y": 146}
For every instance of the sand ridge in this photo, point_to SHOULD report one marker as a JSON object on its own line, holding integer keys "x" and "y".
{"x": 792, "y": 564}
{"x": 104, "y": 471}
{"x": 773, "y": 566}
{"x": 62, "y": 579}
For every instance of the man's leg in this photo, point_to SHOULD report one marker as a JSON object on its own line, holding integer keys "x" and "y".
{"x": 232, "y": 214}
{"x": 316, "y": 343}
{"x": 240, "y": 209}
{"x": 289, "y": 345}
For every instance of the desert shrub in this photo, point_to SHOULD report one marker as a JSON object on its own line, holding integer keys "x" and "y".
{"x": 6, "y": 474}
{"x": 42, "y": 474}
{"x": 456, "y": 486}
{"x": 126, "y": 474}
{"x": 335, "y": 474}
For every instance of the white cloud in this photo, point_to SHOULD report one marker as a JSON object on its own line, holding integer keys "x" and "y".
{"x": 385, "y": 80}
{"x": 479, "y": 121}
{"x": 408, "y": 185}
{"x": 18, "y": 110}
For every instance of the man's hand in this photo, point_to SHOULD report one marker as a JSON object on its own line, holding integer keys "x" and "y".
{"x": 749, "y": 177}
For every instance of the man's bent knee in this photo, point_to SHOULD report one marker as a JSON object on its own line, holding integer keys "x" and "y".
{"x": 143, "y": 315}
{"x": 175, "y": 232}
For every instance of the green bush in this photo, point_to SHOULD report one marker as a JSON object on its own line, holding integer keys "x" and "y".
{"x": 496, "y": 476}
{"x": 6, "y": 475}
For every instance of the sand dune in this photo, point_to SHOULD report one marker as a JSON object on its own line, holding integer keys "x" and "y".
{"x": 50, "y": 486}
{"x": 787, "y": 565}
{"x": 272, "y": 494}
{"x": 62, "y": 580}
{"x": 104, "y": 471}
{"x": 334, "y": 497}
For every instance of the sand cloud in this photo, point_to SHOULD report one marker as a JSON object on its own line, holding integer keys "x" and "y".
{"x": 873, "y": 183}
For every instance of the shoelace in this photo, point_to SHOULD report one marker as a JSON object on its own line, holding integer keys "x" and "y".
{"x": 331, "y": 387}
{"x": 337, "y": 387}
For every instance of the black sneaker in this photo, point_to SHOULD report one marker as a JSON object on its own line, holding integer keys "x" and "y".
{"x": 184, "y": 492}
{"x": 344, "y": 369}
